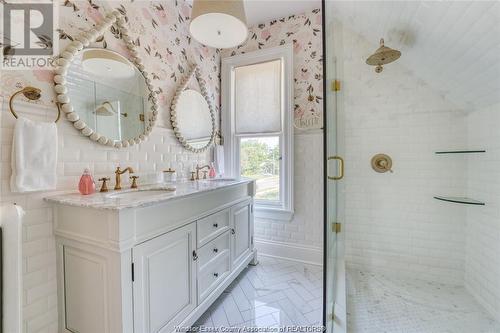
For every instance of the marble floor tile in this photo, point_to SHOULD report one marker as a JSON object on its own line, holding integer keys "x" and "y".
{"x": 274, "y": 293}
{"x": 383, "y": 303}
{"x": 279, "y": 293}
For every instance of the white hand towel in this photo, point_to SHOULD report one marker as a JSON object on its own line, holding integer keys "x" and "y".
{"x": 34, "y": 156}
{"x": 11, "y": 224}
{"x": 219, "y": 159}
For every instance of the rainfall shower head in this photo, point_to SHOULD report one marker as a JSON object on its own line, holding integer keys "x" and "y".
{"x": 105, "y": 109}
{"x": 382, "y": 56}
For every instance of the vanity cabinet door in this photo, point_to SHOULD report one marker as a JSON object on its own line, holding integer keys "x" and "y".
{"x": 241, "y": 218}
{"x": 164, "y": 280}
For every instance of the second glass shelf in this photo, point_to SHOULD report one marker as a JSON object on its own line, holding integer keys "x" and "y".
{"x": 459, "y": 152}
{"x": 460, "y": 200}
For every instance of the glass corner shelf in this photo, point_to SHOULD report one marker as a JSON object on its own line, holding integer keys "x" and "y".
{"x": 460, "y": 200}
{"x": 459, "y": 152}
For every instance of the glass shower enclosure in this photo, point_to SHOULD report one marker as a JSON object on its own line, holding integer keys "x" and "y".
{"x": 334, "y": 313}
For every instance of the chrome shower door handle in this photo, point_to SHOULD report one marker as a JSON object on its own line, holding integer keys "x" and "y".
{"x": 341, "y": 167}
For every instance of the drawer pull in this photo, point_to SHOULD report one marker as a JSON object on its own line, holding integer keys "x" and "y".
{"x": 216, "y": 250}
{"x": 216, "y": 274}
{"x": 195, "y": 256}
{"x": 215, "y": 225}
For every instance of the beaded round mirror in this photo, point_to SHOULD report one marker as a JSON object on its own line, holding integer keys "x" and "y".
{"x": 192, "y": 116}
{"x": 106, "y": 96}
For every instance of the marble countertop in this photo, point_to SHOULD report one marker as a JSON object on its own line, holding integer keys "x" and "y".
{"x": 149, "y": 194}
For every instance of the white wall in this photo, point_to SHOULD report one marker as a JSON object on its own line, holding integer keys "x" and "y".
{"x": 392, "y": 221}
{"x": 482, "y": 263}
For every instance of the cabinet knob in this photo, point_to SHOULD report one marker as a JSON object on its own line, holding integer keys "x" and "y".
{"x": 195, "y": 256}
{"x": 216, "y": 250}
{"x": 216, "y": 274}
{"x": 232, "y": 231}
{"x": 215, "y": 225}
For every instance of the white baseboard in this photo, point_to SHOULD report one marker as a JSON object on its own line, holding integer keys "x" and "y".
{"x": 289, "y": 251}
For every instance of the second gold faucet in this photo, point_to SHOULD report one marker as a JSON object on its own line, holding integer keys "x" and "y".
{"x": 118, "y": 173}
{"x": 199, "y": 168}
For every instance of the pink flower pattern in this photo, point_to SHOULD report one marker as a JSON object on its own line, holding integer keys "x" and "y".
{"x": 161, "y": 33}
{"x": 168, "y": 51}
{"x": 304, "y": 31}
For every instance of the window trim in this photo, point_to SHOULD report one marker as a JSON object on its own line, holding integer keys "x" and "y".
{"x": 231, "y": 140}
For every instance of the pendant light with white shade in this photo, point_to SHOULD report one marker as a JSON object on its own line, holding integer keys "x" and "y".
{"x": 219, "y": 23}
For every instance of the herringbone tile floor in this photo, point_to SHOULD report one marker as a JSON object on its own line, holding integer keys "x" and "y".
{"x": 274, "y": 293}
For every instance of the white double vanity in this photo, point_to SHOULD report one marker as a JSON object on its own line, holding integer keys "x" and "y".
{"x": 150, "y": 259}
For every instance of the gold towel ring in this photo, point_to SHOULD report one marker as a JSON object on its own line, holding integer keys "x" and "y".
{"x": 33, "y": 94}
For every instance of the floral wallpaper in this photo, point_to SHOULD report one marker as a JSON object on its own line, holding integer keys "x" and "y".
{"x": 304, "y": 31}
{"x": 159, "y": 30}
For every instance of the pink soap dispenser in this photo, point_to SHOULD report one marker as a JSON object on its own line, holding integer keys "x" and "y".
{"x": 212, "y": 172}
{"x": 86, "y": 185}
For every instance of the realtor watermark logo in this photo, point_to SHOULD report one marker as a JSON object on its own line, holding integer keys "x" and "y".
{"x": 29, "y": 35}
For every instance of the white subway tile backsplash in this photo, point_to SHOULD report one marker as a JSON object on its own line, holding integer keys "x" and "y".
{"x": 42, "y": 290}
{"x": 35, "y": 247}
{"x": 38, "y": 231}
{"x": 117, "y": 155}
{"x": 38, "y": 261}
{"x": 43, "y": 323}
{"x": 35, "y": 308}
{"x": 93, "y": 155}
{"x": 35, "y": 278}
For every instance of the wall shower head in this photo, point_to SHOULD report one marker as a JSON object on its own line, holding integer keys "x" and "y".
{"x": 382, "y": 56}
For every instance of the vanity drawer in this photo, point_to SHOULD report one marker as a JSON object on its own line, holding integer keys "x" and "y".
{"x": 212, "y": 226}
{"x": 212, "y": 275}
{"x": 213, "y": 249}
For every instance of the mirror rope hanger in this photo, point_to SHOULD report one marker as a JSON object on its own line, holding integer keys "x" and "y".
{"x": 33, "y": 94}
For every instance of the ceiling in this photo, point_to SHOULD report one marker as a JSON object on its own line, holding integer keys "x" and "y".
{"x": 262, "y": 11}
{"x": 453, "y": 46}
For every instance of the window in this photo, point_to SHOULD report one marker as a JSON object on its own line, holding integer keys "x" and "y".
{"x": 260, "y": 160}
{"x": 257, "y": 126}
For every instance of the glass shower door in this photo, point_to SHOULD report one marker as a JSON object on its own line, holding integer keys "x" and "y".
{"x": 334, "y": 172}
{"x": 334, "y": 165}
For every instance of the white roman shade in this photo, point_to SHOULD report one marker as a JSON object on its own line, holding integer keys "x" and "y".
{"x": 258, "y": 98}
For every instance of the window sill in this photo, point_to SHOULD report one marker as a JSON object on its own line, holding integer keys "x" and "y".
{"x": 273, "y": 213}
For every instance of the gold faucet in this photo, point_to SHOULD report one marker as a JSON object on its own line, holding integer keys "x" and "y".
{"x": 118, "y": 173}
{"x": 198, "y": 168}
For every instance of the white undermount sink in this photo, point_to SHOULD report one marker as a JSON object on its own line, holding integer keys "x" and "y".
{"x": 140, "y": 194}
